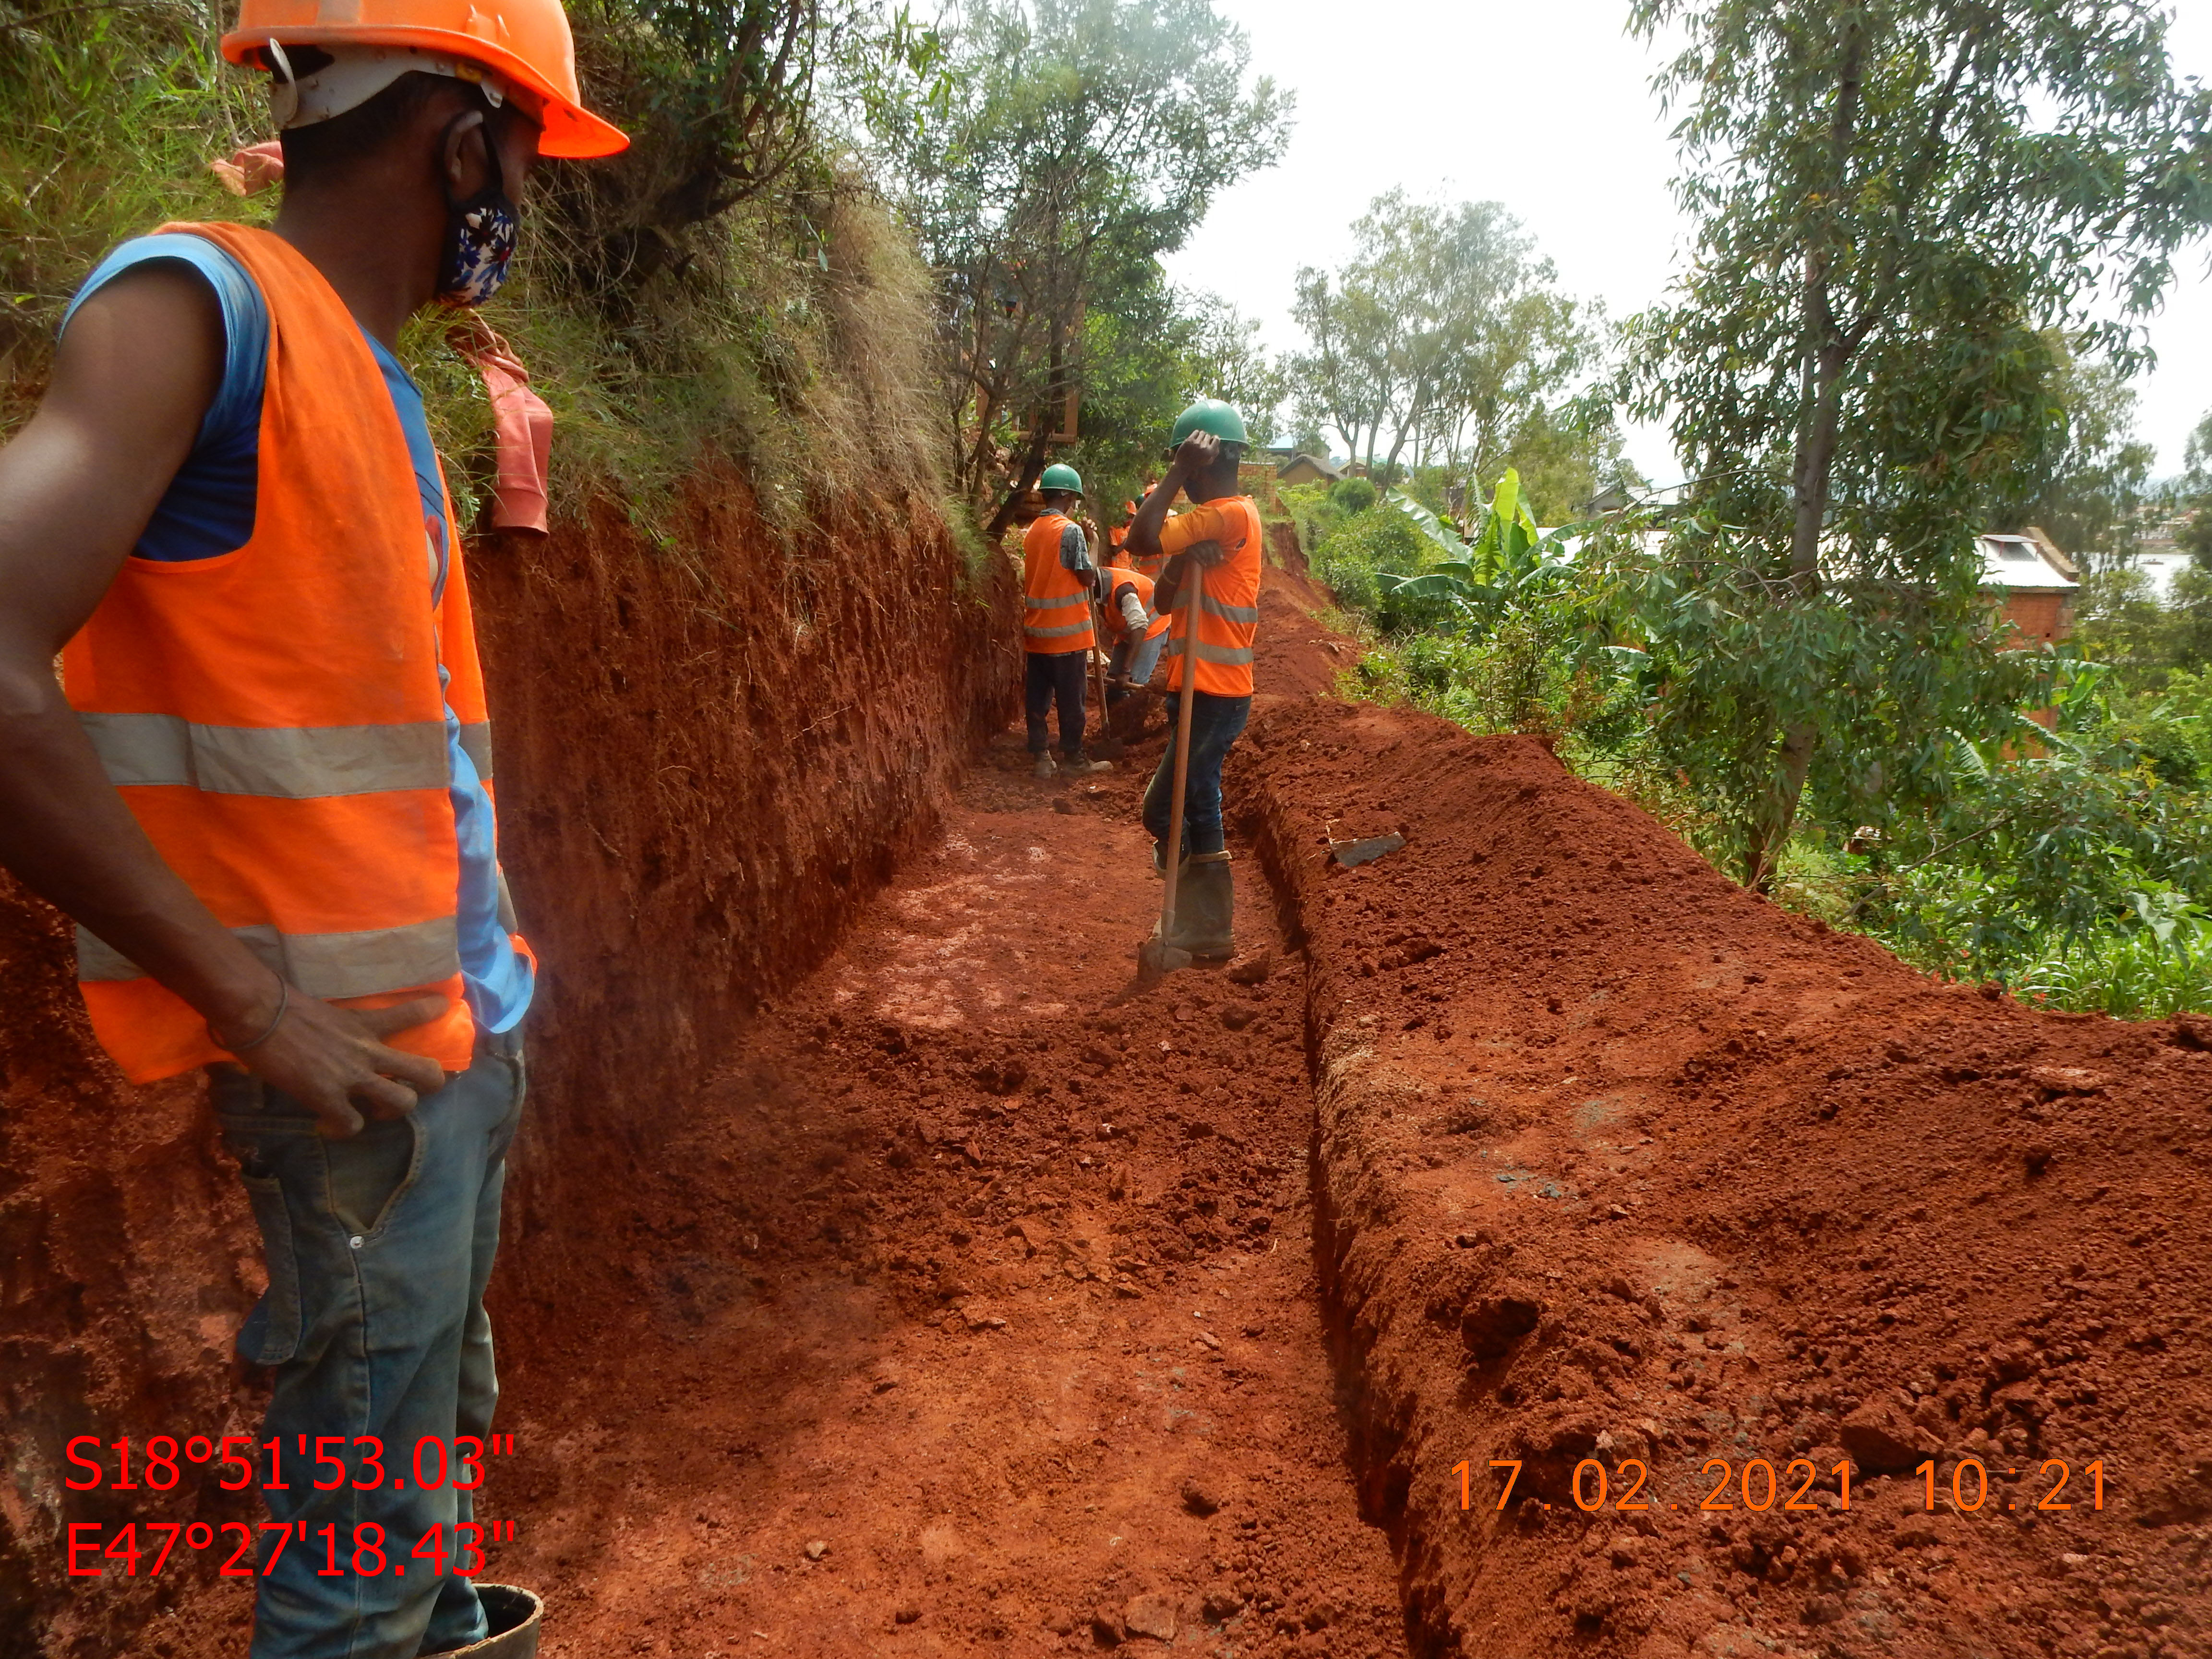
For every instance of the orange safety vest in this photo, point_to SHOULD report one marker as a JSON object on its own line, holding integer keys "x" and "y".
{"x": 1115, "y": 576}
{"x": 272, "y": 717}
{"x": 1055, "y": 604}
{"x": 1230, "y": 621}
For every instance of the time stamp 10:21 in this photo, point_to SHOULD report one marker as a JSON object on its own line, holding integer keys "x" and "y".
{"x": 1758, "y": 1488}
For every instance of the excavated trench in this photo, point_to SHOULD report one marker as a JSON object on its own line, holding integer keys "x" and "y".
{"x": 958, "y": 1297}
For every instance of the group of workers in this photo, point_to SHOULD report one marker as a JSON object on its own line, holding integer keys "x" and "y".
{"x": 1186, "y": 584}
{"x": 262, "y": 783}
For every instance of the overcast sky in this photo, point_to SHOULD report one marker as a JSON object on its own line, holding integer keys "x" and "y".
{"x": 1548, "y": 108}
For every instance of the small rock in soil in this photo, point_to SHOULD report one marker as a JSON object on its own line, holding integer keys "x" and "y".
{"x": 1221, "y": 1603}
{"x": 1200, "y": 1499}
{"x": 1106, "y": 1625}
{"x": 907, "y": 1615}
{"x": 1061, "y": 804}
{"x": 1252, "y": 971}
{"x": 1236, "y": 1017}
{"x": 816, "y": 1549}
{"x": 1150, "y": 1615}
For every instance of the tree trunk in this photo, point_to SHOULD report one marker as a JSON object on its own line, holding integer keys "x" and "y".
{"x": 1826, "y": 354}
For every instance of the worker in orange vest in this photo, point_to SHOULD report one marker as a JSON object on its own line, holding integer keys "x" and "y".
{"x": 1222, "y": 535}
{"x": 262, "y": 786}
{"x": 1059, "y": 581}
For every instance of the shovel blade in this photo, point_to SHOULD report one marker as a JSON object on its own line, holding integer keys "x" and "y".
{"x": 1156, "y": 959}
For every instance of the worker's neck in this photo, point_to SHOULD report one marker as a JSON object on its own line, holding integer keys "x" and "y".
{"x": 1219, "y": 486}
{"x": 375, "y": 241}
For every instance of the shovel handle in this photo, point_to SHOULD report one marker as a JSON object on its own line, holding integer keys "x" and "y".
{"x": 1193, "y": 603}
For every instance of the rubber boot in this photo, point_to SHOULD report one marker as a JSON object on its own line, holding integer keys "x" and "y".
{"x": 1205, "y": 908}
{"x": 1043, "y": 769}
{"x": 1080, "y": 764}
{"x": 513, "y": 1614}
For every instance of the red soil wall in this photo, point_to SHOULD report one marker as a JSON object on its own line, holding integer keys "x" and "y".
{"x": 705, "y": 758}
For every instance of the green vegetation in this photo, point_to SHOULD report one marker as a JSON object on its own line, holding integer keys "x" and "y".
{"x": 774, "y": 276}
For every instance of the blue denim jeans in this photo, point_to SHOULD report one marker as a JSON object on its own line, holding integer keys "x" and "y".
{"x": 1050, "y": 677}
{"x": 379, "y": 1251}
{"x": 1215, "y": 723}
{"x": 1137, "y": 666}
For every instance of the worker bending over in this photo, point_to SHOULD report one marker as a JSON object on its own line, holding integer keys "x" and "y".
{"x": 1058, "y": 582}
{"x": 1142, "y": 633}
{"x": 1211, "y": 640}
{"x": 263, "y": 785}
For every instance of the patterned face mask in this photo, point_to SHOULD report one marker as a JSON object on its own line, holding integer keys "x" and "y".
{"x": 480, "y": 236}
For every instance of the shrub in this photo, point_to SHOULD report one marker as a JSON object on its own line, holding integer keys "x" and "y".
{"x": 1351, "y": 495}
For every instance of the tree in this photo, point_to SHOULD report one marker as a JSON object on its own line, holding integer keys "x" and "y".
{"x": 1065, "y": 146}
{"x": 1896, "y": 203}
{"x": 717, "y": 95}
{"x": 2090, "y": 491}
{"x": 1222, "y": 357}
{"x": 2196, "y": 495}
{"x": 1441, "y": 333}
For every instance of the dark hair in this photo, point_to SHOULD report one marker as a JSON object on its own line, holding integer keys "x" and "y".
{"x": 328, "y": 148}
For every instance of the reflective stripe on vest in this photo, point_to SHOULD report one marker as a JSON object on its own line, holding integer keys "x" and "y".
{"x": 1231, "y": 655}
{"x": 275, "y": 719}
{"x": 1246, "y": 614}
{"x": 356, "y": 965}
{"x": 288, "y": 762}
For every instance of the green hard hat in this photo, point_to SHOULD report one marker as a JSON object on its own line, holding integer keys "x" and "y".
{"x": 1061, "y": 475}
{"x": 1210, "y": 415}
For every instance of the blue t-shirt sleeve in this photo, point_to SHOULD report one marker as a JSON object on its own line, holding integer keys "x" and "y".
{"x": 209, "y": 506}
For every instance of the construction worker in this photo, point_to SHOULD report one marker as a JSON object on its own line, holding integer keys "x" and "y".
{"x": 262, "y": 786}
{"x": 1058, "y": 582}
{"x": 1125, "y": 597}
{"x": 1211, "y": 640}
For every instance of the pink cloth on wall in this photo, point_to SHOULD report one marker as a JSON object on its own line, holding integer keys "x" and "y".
{"x": 522, "y": 428}
{"x": 253, "y": 168}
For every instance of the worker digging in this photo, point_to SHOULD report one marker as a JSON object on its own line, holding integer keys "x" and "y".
{"x": 1214, "y": 549}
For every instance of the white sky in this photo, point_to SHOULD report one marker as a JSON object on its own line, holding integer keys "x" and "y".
{"x": 1547, "y": 108}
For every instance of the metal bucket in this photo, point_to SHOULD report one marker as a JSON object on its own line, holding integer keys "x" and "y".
{"x": 513, "y": 1614}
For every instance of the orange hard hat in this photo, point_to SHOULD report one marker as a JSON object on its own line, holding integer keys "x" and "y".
{"x": 526, "y": 41}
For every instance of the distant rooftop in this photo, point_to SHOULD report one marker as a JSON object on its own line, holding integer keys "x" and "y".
{"x": 2026, "y": 563}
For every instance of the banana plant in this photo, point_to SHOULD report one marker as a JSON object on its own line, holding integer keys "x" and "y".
{"x": 1511, "y": 562}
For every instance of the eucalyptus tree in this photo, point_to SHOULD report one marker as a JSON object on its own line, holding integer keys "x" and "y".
{"x": 1896, "y": 203}
{"x": 1056, "y": 151}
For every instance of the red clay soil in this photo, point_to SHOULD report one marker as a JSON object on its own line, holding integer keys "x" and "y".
{"x": 967, "y": 1299}
{"x": 1619, "y": 1162}
{"x": 987, "y": 1275}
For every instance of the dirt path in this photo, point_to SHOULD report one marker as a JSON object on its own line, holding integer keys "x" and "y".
{"x": 995, "y": 1286}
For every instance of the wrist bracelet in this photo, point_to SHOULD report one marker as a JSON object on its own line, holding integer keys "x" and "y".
{"x": 283, "y": 1003}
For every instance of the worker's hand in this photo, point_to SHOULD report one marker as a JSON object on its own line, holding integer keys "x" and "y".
{"x": 1197, "y": 453}
{"x": 1206, "y": 554}
{"x": 331, "y": 1060}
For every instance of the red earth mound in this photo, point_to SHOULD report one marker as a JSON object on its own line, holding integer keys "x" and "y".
{"x": 1620, "y": 1163}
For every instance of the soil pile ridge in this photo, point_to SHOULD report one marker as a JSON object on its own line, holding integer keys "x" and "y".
{"x": 1619, "y": 1162}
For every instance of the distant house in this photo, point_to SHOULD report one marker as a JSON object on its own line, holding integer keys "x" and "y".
{"x": 1305, "y": 469}
{"x": 2033, "y": 582}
